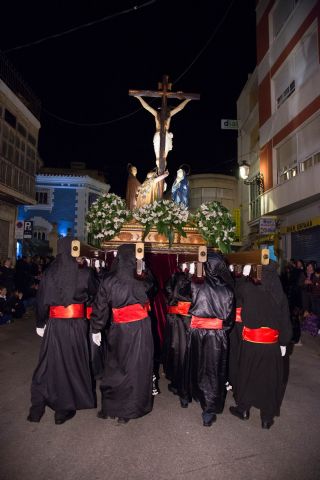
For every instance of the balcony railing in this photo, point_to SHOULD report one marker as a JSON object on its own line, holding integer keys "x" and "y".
{"x": 16, "y": 179}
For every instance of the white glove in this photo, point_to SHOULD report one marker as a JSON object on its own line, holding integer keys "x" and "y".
{"x": 192, "y": 268}
{"x": 96, "y": 338}
{"x": 40, "y": 331}
{"x": 231, "y": 268}
{"x": 283, "y": 350}
{"x": 246, "y": 270}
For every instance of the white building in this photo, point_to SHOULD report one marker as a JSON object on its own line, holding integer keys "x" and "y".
{"x": 19, "y": 130}
{"x": 289, "y": 121}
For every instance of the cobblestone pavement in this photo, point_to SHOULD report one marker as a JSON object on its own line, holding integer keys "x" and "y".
{"x": 170, "y": 443}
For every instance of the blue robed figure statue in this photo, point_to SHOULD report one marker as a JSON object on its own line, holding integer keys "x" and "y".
{"x": 180, "y": 192}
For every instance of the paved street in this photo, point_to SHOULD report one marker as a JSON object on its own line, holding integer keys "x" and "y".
{"x": 170, "y": 443}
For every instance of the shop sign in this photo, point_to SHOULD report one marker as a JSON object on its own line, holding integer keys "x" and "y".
{"x": 313, "y": 222}
{"x": 267, "y": 225}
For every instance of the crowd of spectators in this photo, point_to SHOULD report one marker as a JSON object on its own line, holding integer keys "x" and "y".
{"x": 19, "y": 284}
{"x": 301, "y": 282}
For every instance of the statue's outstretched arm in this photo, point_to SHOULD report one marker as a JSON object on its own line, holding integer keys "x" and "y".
{"x": 179, "y": 107}
{"x": 161, "y": 177}
{"x": 147, "y": 106}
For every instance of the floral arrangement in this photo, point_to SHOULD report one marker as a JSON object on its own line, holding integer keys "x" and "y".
{"x": 215, "y": 224}
{"x": 107, "y": 216}
{"x": 166, "y": 216}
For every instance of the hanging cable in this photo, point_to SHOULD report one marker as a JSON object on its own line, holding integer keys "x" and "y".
{"x": 123, "y": 117}
{"x": 80, "y": 27}
{"x": 206, "y": 44}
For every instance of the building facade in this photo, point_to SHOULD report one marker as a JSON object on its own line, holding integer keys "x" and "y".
{"x": 248, "y": 153}
{"x": 63, "y": 198}
{"x": 19, "y": 130}
{"x": 208, "y": 187}
{"x": 288, "y": 70}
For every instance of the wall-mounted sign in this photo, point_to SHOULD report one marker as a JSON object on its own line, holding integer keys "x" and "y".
{"x": 28, "y": 227}
{"x": 312, "y": 222}
{"x": 229, "y": 124}
{"x": 18, "y": 234}
{"x": 267, "y": 225}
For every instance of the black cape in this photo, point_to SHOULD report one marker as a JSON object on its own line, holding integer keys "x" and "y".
{"x": 126, "y": 385}
{"x": 260, "y": 370}
{"x": 62, "y": 378}
{"x": 177, "y": 288}
{"x": 207, "y": 349}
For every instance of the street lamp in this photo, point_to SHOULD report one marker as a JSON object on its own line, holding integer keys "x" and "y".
{"x": 244, "y": 170}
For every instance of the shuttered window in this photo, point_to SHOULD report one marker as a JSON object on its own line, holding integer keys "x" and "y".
{"x": 4, "y": 239}
{"x": 306, "y": 244}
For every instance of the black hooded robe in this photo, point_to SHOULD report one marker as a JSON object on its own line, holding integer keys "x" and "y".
{"x": 260, "y": 374}
{"x": 178, "y": 289}
{"x": 62, "y": 379}
{"x": 126, "y": 385}
{"x": 207, "y": 350}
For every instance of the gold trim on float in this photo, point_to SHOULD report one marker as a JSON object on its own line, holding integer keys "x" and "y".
{"x": 132, "y": 232}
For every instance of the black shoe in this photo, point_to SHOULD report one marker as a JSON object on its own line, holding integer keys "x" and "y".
{"x": 172, "y": 389}
{"x": 184, "y": 403}
{"x": 208, "y": 423}
{"x": 244, "y": 415}
{"x": 122, "y": 421}
{"x": 266, "y": 424}
{"x": 34, "y": 418}
{"x": 100, "y": 414}
{"x": 59, "y": 418}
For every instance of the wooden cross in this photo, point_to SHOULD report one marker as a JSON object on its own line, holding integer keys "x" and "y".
{"x": 164, "y": 92}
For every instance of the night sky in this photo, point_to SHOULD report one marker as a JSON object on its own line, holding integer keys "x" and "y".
{"x": 84, "y": 77}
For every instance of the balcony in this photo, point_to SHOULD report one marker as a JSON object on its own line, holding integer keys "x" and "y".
{"x": 296, "y": 192}
{"x": 16, "y": 185}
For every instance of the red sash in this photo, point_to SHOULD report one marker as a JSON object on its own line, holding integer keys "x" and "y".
{"x": 130, "y": 313}
{"x": 89, "y": 312}
{"x": 209, "y": 323}
{"x": 173, "y": 309}
{"x": 147, "y": 307}
{"x": 238, "y": 315}
{"x": 260, "y": 335}
{"x": 75, "y": 310}
{"x": 181, "y": 309}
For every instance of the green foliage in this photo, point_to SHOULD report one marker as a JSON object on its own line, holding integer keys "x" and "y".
{"x": 215, "y": 224}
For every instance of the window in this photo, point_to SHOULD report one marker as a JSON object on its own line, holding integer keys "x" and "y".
{"x": 209, "y": 194}
{"x": 39, "y": 234}
{"x": 255, "y": 203}
{"x": 309, "y": 139}
{"x": 92, "y": 197}
{"x": 316, "y": 158}
{"x": 32, "y": 140}
{"x": 281, "y": 13}
{"x": 22, "y": 130}
{"x": 42, "y": 197}
{"x": 287, "y": 159}
{"x": 298, "y": 67}
{"x": 10, "y": 118}
{"x": 306, "y": 164}
{"x": 286, "y": 93}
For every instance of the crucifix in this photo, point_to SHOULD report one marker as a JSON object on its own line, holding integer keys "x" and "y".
{"x": 162, "y": 139}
